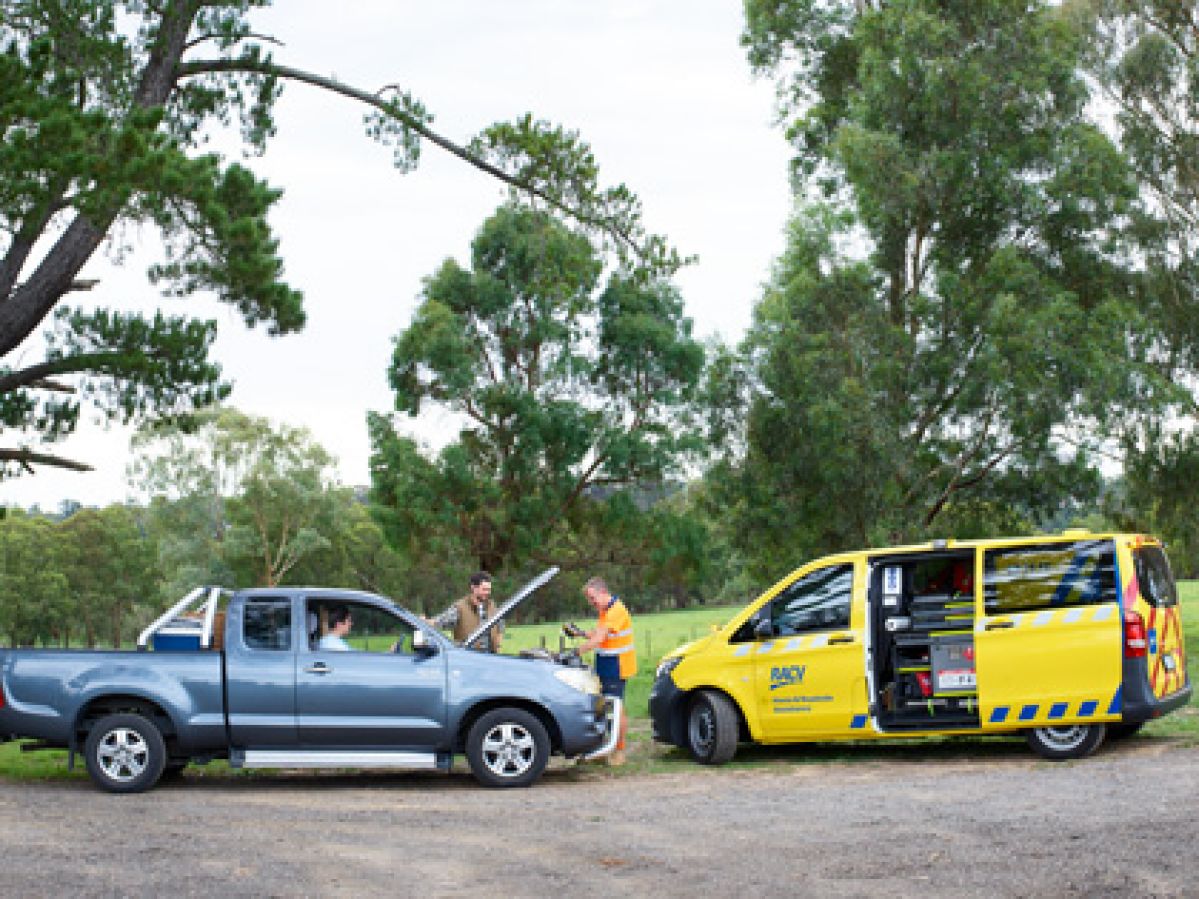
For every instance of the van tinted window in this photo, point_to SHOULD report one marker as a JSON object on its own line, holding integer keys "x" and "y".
{"x": 1049, "y": 575}
{"x": 1154, "y": 577}
{"x": 268, "y": 624}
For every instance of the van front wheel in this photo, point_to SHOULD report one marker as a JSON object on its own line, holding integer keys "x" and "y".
{"x": 1067, "y": 741}
{"x": 712, "y": 728}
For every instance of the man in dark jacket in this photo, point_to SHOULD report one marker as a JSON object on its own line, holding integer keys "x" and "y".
{"x": 468, "y": 613}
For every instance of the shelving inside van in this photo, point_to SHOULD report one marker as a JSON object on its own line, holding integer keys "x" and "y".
{"x": 922, "y": 611}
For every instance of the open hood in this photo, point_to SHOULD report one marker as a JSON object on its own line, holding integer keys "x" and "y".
{"x": 517, "y": 598}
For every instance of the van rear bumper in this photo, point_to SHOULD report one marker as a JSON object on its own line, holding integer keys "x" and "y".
{"x": 1137, "y": 700}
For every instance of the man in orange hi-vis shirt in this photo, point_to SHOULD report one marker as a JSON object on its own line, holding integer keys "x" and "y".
{"x": 615, "y": 656}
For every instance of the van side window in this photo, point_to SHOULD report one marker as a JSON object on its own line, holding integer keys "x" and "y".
{"x": 267, "y": 624}
{"x": 1049, "y": 576}
{"x": 817, "y": 601}
{"x": 1154, "y": 578}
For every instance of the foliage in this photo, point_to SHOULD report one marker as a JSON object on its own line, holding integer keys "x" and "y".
{"x": 259, "y": 496}
{"x": 110, "y": 567}
{"x": 105, "y": 110}
{"x": 962, "y": 330}
{"x": 564, "y": 387}
{"x": 1146, "y": 59}
{"x": 33, "y": 590}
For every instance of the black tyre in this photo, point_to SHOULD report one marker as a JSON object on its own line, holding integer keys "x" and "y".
{"x": 125, "y": 753}
{"x": 712, "y": 728}
{"x": 507, "y": 748}
{"x": 1123, "y": 731}
{"x": 1066, "y": 741}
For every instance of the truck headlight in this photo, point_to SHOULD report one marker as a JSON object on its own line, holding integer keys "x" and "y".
{"x": 667, "y": 665}
{"x": 579, "y": 679}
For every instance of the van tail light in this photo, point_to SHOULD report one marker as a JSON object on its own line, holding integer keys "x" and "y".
{"x": 1136, "y": 642}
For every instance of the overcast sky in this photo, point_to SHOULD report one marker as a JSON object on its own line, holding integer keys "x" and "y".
{"x": 662, "y": 92}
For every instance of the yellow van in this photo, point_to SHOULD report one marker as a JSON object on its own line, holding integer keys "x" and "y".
{"x": 1066, "y": 638}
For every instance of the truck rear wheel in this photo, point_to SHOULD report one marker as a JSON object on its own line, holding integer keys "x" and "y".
{"x": 125, "y": 753}
{"x": 507, "y": 748}
{"x": 1067, "y": 741}
{"x": 712, "y": 728}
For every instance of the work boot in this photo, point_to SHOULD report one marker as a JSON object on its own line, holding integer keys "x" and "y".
{"x": 616, "y": 759}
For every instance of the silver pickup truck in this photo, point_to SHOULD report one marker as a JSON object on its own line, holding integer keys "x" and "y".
{"x": 242, "y": 676}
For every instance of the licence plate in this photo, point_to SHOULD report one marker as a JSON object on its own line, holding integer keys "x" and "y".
{"x": 956, "y": 680}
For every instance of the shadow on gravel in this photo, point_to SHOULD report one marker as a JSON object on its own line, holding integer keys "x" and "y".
{"x": 646, "y": 760}
{"x": 992, "y": 750}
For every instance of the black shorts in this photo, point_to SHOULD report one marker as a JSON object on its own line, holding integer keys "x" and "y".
{"x": 612, "y": 688}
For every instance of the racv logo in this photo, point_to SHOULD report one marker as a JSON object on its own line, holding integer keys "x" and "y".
{"x": 787, "y": 676}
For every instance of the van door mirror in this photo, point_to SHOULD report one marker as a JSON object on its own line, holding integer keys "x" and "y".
{"x": 764, "y": 629}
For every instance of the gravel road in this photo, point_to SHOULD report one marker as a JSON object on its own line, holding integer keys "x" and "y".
{"x": 1123, "y": 822}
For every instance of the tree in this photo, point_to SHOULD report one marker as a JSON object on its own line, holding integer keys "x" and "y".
{"x": 1146, "y": 60}
{"x": 34, "y": 597}
{"x": 563, "y": 387}
{"x": 104, "y": 108}
{"x": 357, "y": 555}
{"x": 965, "y": 320}
{"x": 240, "y": 499}
{"x": 110, "y": 566}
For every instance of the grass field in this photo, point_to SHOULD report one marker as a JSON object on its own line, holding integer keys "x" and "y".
{"x": 657, "y": 634}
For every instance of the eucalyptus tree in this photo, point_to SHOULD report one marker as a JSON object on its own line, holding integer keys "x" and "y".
{"x": 236, "y": 500}
{"x": 568, "y": 384}
{"x": 954, "y": 316}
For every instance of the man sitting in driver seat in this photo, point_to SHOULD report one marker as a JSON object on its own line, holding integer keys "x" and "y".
{"x": 340, "y": 623}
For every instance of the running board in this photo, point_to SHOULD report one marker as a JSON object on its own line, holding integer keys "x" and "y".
{"x": 293, "y": 758}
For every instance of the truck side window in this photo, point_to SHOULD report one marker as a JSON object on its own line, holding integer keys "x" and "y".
{"x": 1049, "y": 576}
{"x": 372, "y": 629}
{"x": 267, "y": 624}
{"x": 817, "y": 601}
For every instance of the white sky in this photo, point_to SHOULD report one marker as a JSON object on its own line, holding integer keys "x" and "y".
{"x": 662, "y": 92}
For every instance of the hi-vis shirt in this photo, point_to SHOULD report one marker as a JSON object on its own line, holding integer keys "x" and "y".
{"x": 615, "y": 658}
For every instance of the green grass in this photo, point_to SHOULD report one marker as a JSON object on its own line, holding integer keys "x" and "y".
{"x": 657, "y": 634}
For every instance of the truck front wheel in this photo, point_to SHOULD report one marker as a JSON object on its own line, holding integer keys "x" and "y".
{"x": 712, "y": 728}
{"x": 507, "y": 748}
{"x": 125, "y": 753}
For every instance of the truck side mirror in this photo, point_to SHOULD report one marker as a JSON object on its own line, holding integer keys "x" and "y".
{"x": 421, "y": 644}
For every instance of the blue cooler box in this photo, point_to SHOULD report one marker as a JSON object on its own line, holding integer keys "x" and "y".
{"x": 178, "y": 636}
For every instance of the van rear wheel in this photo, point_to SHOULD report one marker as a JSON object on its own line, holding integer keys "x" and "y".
{"x": 1066, "y": 741}
{"x": 712, "y": 728}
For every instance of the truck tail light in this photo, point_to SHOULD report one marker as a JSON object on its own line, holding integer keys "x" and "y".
{"x": 1136, "y": 642}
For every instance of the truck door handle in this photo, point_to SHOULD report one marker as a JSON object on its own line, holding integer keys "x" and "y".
{"x": 998, "y": 625}
{"x": 843, "y": 638}
{"x": 319, "y": 668}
